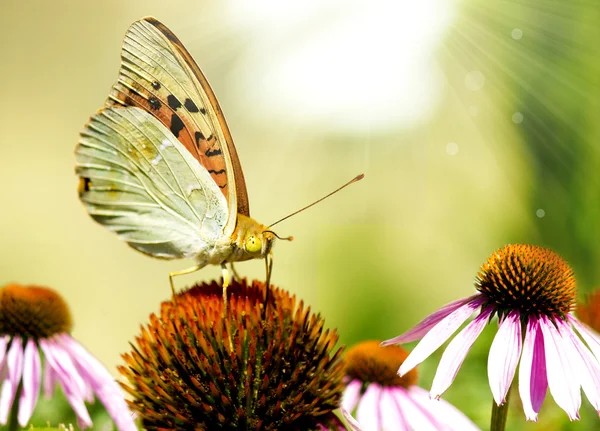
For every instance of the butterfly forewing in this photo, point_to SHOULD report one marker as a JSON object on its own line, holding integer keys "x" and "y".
{"x": 138, "y": 180}
{"x": 158, "y": 75}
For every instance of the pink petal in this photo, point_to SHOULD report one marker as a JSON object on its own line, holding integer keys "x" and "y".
{"x": 351, "y": 421}
{"x": 504, "y": 356}
{"x": 586, "y": 365}
{"x": 438, "y": 335}
{"x": 108, "y": 391}
{"x": 368, "y": 414}
{"x": 49, "y": 380}
{"x": 562, "y": 379}
{"x": 351, "y": 395}
{"x": 453, "y": 419}
{"x": 587, "y": 334}
{"x": 70, "y": 380}
{"x": 533, "y": 382}
{"x": 3, "y": 344}
{"x": 392, "y": 417}
{"x": 3, "y": 366}
{"x": 32, "y": 377}
{"x": 14, "y": 363}
{"x": 417, "y": 413}
{"x": 455, "y": 354}
{"x": 423, "y": 327}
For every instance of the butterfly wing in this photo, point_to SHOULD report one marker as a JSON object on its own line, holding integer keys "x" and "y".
{"x": 138, "y": 180}
{"x": 159, "y": 75}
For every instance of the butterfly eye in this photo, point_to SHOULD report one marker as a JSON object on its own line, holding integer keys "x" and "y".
{"x": 253, "y": 244}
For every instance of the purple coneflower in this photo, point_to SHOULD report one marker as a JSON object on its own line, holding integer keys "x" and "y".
{"x": 385, "y": 401}
{"x": 194, "y": 368}
{"x": 36, "y": 319}
{"x": 532, "y": 292}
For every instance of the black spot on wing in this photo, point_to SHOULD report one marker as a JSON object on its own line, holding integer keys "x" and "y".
{"x": 203, "y": 111}
{"x": 154, "y": 103}
{"x": 173, "y": 102}
{"x": 84, "y": 185}
{"x": 190, "y": 105}
{"x": 199, "y": 136}
{"x": 212, "y": 171}
{"x": 156, "y": 85}
{"x": 212, "y": 153}
{"x": 223, "y": 186}
{"x": 176, "y": 125}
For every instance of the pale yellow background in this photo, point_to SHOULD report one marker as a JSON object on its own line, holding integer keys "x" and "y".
{"x": 373, "y": 259}
{"x": 418, "y": 225}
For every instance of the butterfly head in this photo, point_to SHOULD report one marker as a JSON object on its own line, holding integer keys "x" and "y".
{"x": 254, "y": 238}
{"x": 259, "y": 243}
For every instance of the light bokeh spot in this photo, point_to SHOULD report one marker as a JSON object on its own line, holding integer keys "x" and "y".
{"x": 517, "y": 118}
{"x": 474, "y": 80}
{"x": 516, "y": 33}
{"x": 452, "y": 148}
{"x": 540, "y": 213}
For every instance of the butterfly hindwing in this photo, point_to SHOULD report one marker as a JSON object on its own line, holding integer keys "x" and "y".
{"x": 159, "y": 76}
{"x": 138, "y": 180}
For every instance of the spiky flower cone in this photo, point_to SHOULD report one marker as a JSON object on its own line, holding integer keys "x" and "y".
{"x": 194, "y": 369}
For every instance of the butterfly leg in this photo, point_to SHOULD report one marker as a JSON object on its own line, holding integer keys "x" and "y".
{"x": 269, "y": 268}
{"x": 183, "y": 272}
{"x": 226, "y": 280}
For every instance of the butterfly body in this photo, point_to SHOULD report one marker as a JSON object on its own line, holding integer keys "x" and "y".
{"x": 158, "y": 166}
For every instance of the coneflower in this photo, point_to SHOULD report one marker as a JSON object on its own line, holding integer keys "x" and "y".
{"x": 532, "y": 292}
{"x": 385, "y": 401}
{"x": 194, "y": 368}
{"x": 36, "y": 319}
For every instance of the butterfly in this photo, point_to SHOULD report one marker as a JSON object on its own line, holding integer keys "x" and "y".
{"x": 158, "y": 167}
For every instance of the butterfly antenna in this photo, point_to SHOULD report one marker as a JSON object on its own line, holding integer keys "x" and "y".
{"x": 353, "y": 180}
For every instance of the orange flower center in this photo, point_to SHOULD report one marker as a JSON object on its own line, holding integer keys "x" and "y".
{"x": 528, "y": 278}
{"x": 371, "y": 363}
{"x": 33, "y": 312}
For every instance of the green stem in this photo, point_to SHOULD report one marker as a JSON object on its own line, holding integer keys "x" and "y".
{"x": 13, "y": 420}
{"x": 499, "y": 414}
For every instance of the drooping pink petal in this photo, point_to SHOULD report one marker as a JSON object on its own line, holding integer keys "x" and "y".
{"x": 586, "y": 365}
{"x": 351, "y": 421}
{"x": 438, "y": 335}
{"x": 49, "y": 380}
{"x": 455, "y": 354}
{"x": 533, "y": 382}
{"x": 423, "y": 327}
{"x": 417, "y": 414}
{"x": 454, "y": 419}
{"x": 392, "y": 417}
{"x": 351, "y": 395}
{"x": 504, "y": 356}
{"x": 368, "y": 414}
{"x": 589, "y": 336}
{"x": 14, "y": 364}
{"x": 562, "y": 379}
{"x": 32, "y": 378}
{"x": 3, "y": 366}
{"x": 69, "y": 379}
{"x": 3, "y": 344}
{"x": 106, "y": 388}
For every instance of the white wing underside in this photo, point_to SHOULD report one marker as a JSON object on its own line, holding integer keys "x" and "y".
{"x": 140, "y": 182}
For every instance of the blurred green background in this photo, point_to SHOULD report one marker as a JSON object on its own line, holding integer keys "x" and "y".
{"x": 476, "y": 123}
